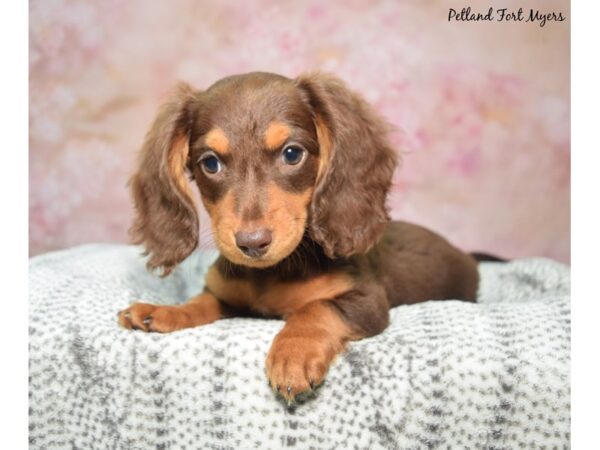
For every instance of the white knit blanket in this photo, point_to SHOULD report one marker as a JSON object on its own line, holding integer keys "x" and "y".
{"x": 443, "y": 375}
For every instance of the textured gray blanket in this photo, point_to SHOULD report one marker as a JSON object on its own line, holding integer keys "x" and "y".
{"x": 442, "y": 375}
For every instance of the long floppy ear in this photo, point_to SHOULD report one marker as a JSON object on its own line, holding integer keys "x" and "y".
{"x": 166, "y": 220}
{"x": 348, "y": 212}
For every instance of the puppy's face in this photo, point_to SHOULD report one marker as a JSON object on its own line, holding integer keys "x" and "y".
{"x": 274, "y": 159}
{"x": 255, "y": 157}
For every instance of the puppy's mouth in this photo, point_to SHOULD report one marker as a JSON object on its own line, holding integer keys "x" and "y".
{"x": 258, "y": 262}
{"x": 257, "y": 248}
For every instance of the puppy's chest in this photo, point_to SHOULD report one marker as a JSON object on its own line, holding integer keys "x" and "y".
{"x": 276, "y": 297}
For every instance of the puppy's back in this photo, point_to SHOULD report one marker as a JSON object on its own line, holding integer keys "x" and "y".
{"x": 415, "y": 264}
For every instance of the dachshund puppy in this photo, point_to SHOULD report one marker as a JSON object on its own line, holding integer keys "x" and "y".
{"x": 294, "y": 175}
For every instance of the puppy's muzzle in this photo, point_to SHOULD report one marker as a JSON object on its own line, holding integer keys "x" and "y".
{"x": 253, "y": 243}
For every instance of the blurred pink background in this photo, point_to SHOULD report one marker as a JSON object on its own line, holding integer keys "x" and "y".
{"x": 482, "y": 109}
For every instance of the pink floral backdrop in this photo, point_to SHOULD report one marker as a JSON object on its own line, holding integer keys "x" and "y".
{"x": 481, "y": 109}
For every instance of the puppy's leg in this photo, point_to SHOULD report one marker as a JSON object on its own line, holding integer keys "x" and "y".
{"x": 316, "y": 333}
{"x": 200, "y": 310}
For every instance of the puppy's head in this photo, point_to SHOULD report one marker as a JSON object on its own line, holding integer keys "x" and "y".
{"x": 273, "y": 158}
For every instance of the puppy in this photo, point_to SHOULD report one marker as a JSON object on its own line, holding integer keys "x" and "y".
{"x": 294, "y": 175}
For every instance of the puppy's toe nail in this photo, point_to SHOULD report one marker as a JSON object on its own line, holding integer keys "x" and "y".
{"x": 311, "y": 383}
{"x": 277, "y": 387}
{"x": 148, "y": 320}
{"x": 289, "y": 389}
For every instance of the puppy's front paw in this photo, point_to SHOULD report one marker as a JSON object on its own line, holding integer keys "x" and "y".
{"x": 297, "y": 364}
{"x": 158, "y": 318}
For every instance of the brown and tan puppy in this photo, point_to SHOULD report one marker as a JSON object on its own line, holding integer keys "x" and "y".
{"x": 294, "y": 175}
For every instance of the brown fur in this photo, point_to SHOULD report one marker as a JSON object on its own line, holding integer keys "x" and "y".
{"x": 324, "y": 138}
{"x": 166, "y": 221}
{"x": 335, "y": 264}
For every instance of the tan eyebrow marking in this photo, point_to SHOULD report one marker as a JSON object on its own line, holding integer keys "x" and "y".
{"x": 276, "y": 134}
{"x": 217, "y": 140}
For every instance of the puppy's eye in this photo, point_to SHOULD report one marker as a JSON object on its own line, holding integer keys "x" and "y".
{"x": 211, "y": 164}
{"x": 292, "y": 155}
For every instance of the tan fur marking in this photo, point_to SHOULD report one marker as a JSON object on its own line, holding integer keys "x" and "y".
{"x": 217, "y": 140}
{"x": 286, "y": 217}
{"x": 324, "y": 138}
{"x": 235, "y": 292}
{"x": 276, "y": 135}
{"x": 287, "y": 214}
{"x": 304, "y": 349}
{"x": 199, "y": 310}
{"x": 177, "y": 158}
{"x": 203, "y": 307}
{"x": 285, "y": 298}
{"x": 320, "y": 315}
{"x": 277, "y": 298}
{"x": 224, "y": 224}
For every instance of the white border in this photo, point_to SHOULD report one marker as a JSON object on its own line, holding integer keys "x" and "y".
{"x": 585, "y": 21}
{"x": 14, "y": 233}
{"x": 585, "y": 193}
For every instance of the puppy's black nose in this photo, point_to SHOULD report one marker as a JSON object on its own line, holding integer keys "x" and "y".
{"x": 254, "y": 243}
